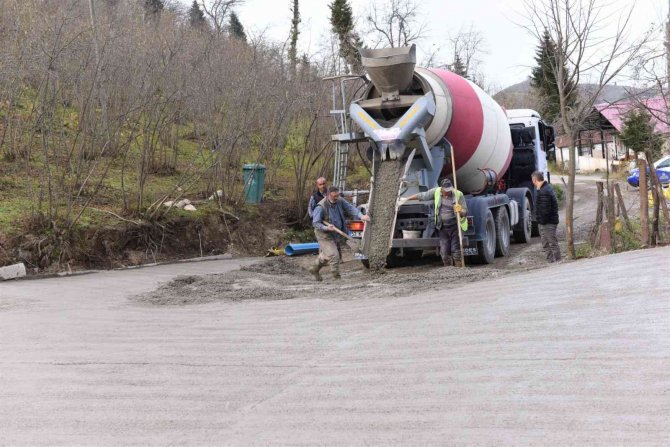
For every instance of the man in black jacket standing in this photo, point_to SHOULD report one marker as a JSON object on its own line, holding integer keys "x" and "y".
{"x": 546, "y": 214}
{"x": 318, "y": 195}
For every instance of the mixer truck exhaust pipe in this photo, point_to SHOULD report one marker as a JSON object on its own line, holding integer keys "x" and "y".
{"x": 415, "y": 120}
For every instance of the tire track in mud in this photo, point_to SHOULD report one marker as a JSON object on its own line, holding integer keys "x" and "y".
{"x": 382, "y": 211}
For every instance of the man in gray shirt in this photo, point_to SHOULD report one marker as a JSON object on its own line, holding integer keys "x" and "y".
{"x": 330, "y": 214}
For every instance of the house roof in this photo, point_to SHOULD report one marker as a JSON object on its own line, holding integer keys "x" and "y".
{"x": 616, "y": 112}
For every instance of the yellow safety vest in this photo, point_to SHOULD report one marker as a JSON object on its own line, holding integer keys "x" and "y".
{"x": 438, "y": 202}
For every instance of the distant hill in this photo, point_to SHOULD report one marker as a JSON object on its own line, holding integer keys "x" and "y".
{"x": 520, "y": 95}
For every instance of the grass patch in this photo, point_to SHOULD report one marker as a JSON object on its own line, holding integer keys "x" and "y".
{"x": 583, "y": 250}
{"x": 300, "y": 236}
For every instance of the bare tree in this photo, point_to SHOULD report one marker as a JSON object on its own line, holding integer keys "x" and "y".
{"x": 217, "y": 11}
{"x": 395, "y": 23}
{"x": 469, "y": 46}
{"x": 589, "y": 52}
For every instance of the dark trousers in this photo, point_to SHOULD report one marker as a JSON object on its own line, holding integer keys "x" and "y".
{"x": 550, "y": 242}
{"x": 449, "y": 244}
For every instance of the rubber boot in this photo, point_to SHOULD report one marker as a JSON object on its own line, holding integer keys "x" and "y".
{"x": 314, "y": 270}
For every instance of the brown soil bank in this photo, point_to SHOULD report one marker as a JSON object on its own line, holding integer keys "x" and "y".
{"x": 44, "y": 249}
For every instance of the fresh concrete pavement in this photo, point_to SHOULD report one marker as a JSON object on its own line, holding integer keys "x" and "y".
{"x": 572, "y": 354}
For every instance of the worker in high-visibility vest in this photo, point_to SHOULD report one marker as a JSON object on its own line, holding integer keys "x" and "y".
{"x": 449, "y": 212}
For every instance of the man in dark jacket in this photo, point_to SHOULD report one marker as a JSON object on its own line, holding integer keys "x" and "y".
{"x": 330, "y": 213}
{"x": 318, "y": 195}
{"x": 546, "y": 214}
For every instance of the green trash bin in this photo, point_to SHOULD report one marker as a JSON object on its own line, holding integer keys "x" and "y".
{"x": 254, "y": 182}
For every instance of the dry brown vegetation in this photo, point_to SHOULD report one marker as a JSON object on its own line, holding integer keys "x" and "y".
{"x": 107, "y": 112}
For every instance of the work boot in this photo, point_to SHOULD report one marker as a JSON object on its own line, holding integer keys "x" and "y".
{"x": 457, "y": 262}
{"x": 448, "y": 262}
{"x": 314, "y": 270}
{"x": 336, "y": 275}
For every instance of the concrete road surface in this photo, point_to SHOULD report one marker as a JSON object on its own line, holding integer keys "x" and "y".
{"x": 574, "y": 354}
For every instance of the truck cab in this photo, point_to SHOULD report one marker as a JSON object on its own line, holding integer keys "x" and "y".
{"x": 533, "y": 142}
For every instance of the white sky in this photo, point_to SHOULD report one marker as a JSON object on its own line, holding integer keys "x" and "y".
{"x": 511, "y": 48}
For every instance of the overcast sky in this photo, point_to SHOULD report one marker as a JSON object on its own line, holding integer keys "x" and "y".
{"x": 510, "y": 47}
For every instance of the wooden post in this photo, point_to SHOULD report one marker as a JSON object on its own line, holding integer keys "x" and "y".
{"x": 622, "y": 207}
{"x": 659, "y": 200}
{"x": 610, "y": 214}
{"x": 644, "y": 205}
{"x": 595, "y": 232}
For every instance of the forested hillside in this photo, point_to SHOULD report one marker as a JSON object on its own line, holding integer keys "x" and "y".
{"x": 109, "y": 109}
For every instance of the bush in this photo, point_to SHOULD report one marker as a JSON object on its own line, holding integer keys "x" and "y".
{"x": 627, "y": 240}
{"x": 583, "y": 250}
{"x": 560, "y": 193}
{"x": 556, "y": 168}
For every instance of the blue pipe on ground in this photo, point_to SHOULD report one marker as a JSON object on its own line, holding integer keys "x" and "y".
{"x": 301, "y": 249}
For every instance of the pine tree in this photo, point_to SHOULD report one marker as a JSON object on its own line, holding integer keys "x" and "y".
{"x": 295, "y": 31}
{"x": 153, "y": 8}
{"x": 196, "y": 18}
{"x": 639, "y": 134}
{"x": 458, "y": 67}
{"x": 235, "y": 27}
{"x": 342, "y": 23}
{"x": 543, "y": 79}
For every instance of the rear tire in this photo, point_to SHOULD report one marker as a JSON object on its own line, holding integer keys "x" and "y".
{"x": 502, "y": 232}
{"x": 523, "y": 230}
{"x": 486, "y": 249}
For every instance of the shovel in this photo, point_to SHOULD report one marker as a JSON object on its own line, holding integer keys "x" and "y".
{"x": 354, "y": 244}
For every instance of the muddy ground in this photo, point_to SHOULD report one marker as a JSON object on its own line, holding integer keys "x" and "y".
{"x": 283, "y": 278}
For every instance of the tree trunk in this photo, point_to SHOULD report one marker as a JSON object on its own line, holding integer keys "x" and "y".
{"x": 570, "y": 201}
{"x": 610, "y": 216}
{"x": 644, "y": 205}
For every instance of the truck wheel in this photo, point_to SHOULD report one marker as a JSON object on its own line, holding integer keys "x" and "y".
{"x": 486, "y": 249}
{"x": 502, "y": 232}
{"x": 522, "y": 230}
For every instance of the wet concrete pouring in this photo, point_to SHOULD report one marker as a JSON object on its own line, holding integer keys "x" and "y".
{"x": 284, "y": 278}
{"x": 382, "y": 211}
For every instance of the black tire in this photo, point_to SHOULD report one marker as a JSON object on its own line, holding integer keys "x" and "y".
{"x": 486, "y": 249}
{"x": 523, "y": 230}
{"x": 502, "y": 233}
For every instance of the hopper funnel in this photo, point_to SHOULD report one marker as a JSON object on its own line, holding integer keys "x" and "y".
{"x": 390, "y": 69}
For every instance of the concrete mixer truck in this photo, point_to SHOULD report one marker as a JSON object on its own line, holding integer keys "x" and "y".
{"x": 413, "y": 121}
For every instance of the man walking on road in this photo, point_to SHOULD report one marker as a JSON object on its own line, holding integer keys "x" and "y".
{"x": 318, "y": 195}
{"x": 449, "y": 203}
{"x": 328, "y": 215}
{"x": 546, "y": 214}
